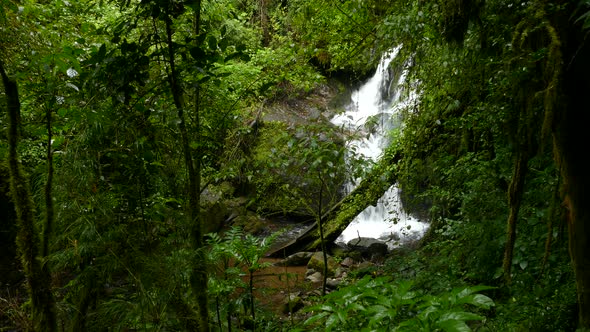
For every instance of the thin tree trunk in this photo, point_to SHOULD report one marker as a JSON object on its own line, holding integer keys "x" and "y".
{"x": 264, "y": 23}
{"x": 49, "y": 214}
{"x": 37, "y": 274}
{"x": 322, "y": 242}
{"x": 251, "y": 290}
{"x": 515, "y": 191}
{"x": 553, "y": 214}
{"x": 199, "y": 274}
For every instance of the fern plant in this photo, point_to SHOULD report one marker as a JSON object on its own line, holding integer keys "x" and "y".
{"x": 232, "y": 255}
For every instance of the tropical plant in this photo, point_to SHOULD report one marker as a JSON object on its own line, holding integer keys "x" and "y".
{"x": 381, "y": 304}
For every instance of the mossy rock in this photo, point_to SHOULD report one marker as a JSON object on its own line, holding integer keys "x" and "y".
{"x": 251, "y": 223}
{"x": 316, "y": 262}
{"x": 213, "y": 216}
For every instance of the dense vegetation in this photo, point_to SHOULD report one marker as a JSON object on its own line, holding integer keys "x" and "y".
{"x": 125, "y": 123}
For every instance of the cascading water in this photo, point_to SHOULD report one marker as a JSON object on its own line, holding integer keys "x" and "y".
{"x": 373, "y": 113}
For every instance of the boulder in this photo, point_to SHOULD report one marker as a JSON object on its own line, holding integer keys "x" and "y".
{"x": 368, "y": 247}
{"x": 362, "y": 242}
{"x": 333, "y": 283}
{"x": 316, "y": 262}
{"x": 251, "y": 223}
{"x": 315, "y": 277}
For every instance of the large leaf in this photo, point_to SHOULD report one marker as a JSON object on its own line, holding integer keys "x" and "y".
{"x": 454, "y": 326}
{"x": 478, "y": 300}
{"x": 460, "y": 315}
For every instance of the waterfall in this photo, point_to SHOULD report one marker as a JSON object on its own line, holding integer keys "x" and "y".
{"x": 372, "y": 112}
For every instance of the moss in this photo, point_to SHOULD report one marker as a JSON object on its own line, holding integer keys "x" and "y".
{"x": 43, "y": 310}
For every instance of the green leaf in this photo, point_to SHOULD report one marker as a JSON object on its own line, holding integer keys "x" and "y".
{"x": 102, "y": 52}
{"x": 315, "y": 318}
{"x": 454, "y": 326}
{"x": 62, "y": 112}
{"x": 473, "y": 289}
{"x": 333, "y": 320}
{"x": 223, "y": 43}
{"x": 460, "y": 315}
{"x": 478, "y": 300}
{"x": 212, "y": 42}
{"x": 197, "y": 53}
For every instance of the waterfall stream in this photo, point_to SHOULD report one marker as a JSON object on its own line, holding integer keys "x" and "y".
{"x": 373, "y": 112}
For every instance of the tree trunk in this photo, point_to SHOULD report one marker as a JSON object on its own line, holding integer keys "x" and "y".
{"x": 571, "y": 138}
{"x": 198, "y": 277}
{"x": 37, "y": 274}
{"x": 48, "y": 224}
{"x": 322, "y": 242}
{"x": 264, "y": 22}
{"x": 515, "y": 191}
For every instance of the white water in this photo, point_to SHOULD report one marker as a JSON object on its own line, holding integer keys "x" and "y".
{"x": 373, "y": 112}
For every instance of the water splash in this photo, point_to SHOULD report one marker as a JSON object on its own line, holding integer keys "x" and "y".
{"x": 373, "y": 112}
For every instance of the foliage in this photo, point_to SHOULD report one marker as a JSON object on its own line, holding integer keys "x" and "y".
{"x": 584, "y": 16}
{"x": 378, "y": 303}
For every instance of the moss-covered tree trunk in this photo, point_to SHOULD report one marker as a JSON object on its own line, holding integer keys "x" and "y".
{"x": 37, "y": 274}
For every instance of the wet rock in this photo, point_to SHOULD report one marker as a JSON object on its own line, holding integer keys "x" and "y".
{"x": 333, "y": 283}
{"x": 315, "y": 277}
{"x": 362, "y": 242}
{"x": 369, "y": 247}
{"x": 392, "y": 237}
